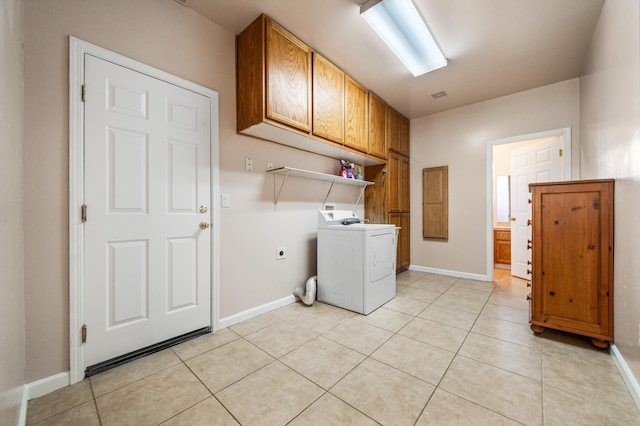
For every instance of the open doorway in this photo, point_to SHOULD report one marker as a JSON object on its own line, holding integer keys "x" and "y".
{"x": 513, "y": 163}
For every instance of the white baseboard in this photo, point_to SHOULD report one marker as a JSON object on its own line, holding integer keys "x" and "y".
{"x": 13, "y": 403}
{"x": 627, "y": 375}
{"x": 23, "y": 406}
{"x": 254, "y": 312}
{"x": 47, "y": 385}
{"x": 21, "y": 396}
{"x": 458, "y": 274}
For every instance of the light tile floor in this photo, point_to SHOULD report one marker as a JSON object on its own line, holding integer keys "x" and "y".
{"x": 444, "y": 351}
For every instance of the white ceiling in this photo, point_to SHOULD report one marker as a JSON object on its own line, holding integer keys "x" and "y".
{"x": 494, "y": 47}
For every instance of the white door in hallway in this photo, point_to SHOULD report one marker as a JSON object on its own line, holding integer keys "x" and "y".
{"x": 538, "y": 162}
{"x": 147, "y": 192}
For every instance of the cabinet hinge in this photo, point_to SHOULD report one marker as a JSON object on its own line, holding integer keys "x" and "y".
{"x": 84, "y": 333}
{"x": 560, "y": 152}
{"x": 83, "y": 93}
{"x": 83, "y": 214}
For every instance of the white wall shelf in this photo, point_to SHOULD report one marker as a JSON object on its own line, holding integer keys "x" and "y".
{"x": 285, "y": 172}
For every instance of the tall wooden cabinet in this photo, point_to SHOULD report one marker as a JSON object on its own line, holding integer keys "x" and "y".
{"x": 388, "y": 200}
{"x": 572, "y": 258}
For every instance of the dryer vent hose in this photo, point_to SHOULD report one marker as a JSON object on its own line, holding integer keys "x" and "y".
{"x": 307, "y": 293}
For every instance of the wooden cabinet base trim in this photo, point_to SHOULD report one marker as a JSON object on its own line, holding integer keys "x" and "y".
{"x": 537, "y": 329}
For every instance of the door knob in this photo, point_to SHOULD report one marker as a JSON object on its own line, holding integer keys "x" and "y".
{"x": 203, "y": 209}
{"x": 204, "y": 225}
{"x": 512, "y": 219}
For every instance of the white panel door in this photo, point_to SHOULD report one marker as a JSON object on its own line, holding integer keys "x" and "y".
{"x": 147, "y": 190}
{"x": 538, "y": 162}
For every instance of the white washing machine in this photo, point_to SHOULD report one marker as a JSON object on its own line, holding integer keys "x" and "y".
{"x": 356, "y": 262}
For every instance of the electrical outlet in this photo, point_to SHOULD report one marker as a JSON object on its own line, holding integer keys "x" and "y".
{"x": 269, "y": 166}
{"x": 248, "y": 164}
{"x": 281, "y": 253}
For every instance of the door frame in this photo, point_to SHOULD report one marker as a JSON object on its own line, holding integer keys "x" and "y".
{"x": 565, "y": 135}
{"x": 77, "y": 49}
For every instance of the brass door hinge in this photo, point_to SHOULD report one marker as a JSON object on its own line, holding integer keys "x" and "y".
{"x": 560, "y": 152}
{"x": 83, "y": 214}
{"x": 84, "y": 333}
{"x": 83, "y": 93}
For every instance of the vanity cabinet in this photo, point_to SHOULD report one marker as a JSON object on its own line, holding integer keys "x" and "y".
{"x": 502, "y": 246}
{"x": 572, "y": 258}
{"x": 273, "y": 76}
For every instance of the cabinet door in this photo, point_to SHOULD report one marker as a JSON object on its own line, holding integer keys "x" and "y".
{"x": 394, "y": 194}
{"x": 356, "y": 117}
{"x": 502, "y": 246}
{"x": 393, "y": 129}
{"x": 288, "y": 78}
{"x": 404, "y": 136}
{"x": 328, "y": 100}
{"x": 398, "y": 182}
{"x": 397, "y": 132}
{"x": 377, "y": 126}
{"x": 402, "y": 220}
{"x": 435, "y": 202}
{"x": 403, "y": 183}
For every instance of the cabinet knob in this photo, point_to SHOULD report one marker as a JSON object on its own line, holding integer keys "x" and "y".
{"x": 529, "y": 245}
{"x": 528, "y": 271}
{"x": 512, "y": 219}
{"x": 528, "y": 222}
{"x": 528, "y": 283}
{"x": 529, "y": 296}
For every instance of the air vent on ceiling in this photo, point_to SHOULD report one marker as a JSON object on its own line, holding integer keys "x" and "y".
{"x": 185, "y": 3}
{"x": 440, "y": 94}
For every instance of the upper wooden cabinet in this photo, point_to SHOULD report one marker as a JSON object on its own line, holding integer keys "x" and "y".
{"x": 356, "y": 116}
{"x": 397, "y": 132}
{"x": 288, "y": 94}
{"x": 273, "y": 76}
{"x": 377, "y": 126}
{"x": 328, "y": 100}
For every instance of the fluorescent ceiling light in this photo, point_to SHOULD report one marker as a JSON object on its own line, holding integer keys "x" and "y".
{"x": 399, "y": 24}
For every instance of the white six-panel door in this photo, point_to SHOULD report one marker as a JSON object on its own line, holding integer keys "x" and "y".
{"x": 538, "y": 162}
{"x": 147, "y": 191}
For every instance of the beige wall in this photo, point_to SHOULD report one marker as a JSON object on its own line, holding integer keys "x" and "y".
{"x": 163, "y": 34}
{"x": 458, "y": 138}
{"x": 610, "y": 117}
{"x": 11, "y": 222}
